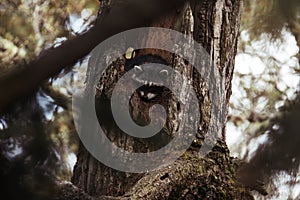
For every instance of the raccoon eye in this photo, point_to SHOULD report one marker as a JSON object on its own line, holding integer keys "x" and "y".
{"x": 130, "y": 53}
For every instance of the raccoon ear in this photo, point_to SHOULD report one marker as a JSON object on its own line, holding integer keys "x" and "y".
{"x": 137, "y": 68}
{"x": 163, "y": 73}
{"x": 130, "y": 53}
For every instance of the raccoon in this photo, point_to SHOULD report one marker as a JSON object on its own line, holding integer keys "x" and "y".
{"x": 150, "y": 89}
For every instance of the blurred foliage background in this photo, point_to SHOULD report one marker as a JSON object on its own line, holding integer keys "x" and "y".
{"x": 38, "y": 141}
{"x": 37, "y": 135}
{"x": 265, "y": 100}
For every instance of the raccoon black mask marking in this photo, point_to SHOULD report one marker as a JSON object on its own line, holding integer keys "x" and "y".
{"x": 150, "y": 89}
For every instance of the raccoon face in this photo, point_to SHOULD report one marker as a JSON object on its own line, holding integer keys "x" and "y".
{"x": 144, "y": 67}
{"x": 150, "y": 89}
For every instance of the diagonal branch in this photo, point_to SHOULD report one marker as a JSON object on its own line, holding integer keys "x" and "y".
{"x": 124, "y": 15}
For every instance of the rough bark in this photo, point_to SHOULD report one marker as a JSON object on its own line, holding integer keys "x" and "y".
{"x": 190, "y": 177}
{"x": 215, "y": 25}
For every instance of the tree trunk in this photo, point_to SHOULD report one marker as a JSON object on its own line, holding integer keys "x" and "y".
{"x": 215, "y": 25}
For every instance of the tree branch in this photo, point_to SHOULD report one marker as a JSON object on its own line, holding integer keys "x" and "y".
{"x": 189, "y": 177}
{"x": 124, "y": 15}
